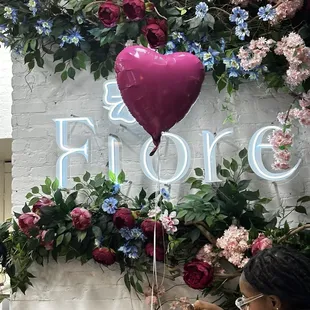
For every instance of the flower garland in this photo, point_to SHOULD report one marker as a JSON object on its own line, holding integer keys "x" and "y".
{"x": 212, "y": 227}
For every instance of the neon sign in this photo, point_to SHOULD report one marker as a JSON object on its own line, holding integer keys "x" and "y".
{"x": 119, "y": 114}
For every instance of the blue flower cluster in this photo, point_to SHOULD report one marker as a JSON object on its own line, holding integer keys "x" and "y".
{"x": 10, "y": 13}
{"x": 130, "y": 251}
{"x": 33, "y": 6}
{"x": 239, "y": 17}
{"x": 44, "y": 27}
{"x": 116, "y": 189}
{"x": 109, "y": 205}
{"x": 201, "y": 10}
{"x": 132, "y": 234}
{"x": 71, "y": 37}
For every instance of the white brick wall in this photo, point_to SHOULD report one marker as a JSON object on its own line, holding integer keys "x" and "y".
{"x": 5, "y": 93}
{"x": 43, "y": 98}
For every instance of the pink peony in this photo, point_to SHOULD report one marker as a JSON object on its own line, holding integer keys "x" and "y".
{"x": 48, "y": 245}
{"x": 81, "y": 218}
{"x": 28, "y": 221}
{"x": 42, "y": 202}
{"x": 261, "y": 243}
{"x": 207, "y": 254}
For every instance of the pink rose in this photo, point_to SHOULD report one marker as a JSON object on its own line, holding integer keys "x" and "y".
{"x": 42, "y": 202}
{"x": 81, "y": 218}
{"x": 28, "y": 221}
{"x": 261, "y": 243}
{"x": 104, "y": 256}
{"x": 48, "y": 245}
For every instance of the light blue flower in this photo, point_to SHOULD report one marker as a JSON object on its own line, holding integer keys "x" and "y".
{"x": 116, "y": 189}
{"x": 125, "y": 233}
{"x": 222, "y": 44}
{"x": 44, "y": 27}
{"x": 165, "y": 194}
{"x": 110, "y": 205}
{"x": 209, "y": 58}
{"x": 75, "y": 37}
{"x": 64, "y": 39}
{"x": 32, "y": 5}
{"x": 253, "y": 75}
{"x": 238, "y": 15}
{"x": 178, "y": 37}
{"x": 137, "y": 234}
{"x": 194, "y": 48}
{"x": 10, "y": 13}
{"x": 170, "y": 46}
{"x": 232, "y": 66}
{"x": 242, "y": 31}
{"x": 266, "y": 13}
{"x": 201, "y": 9}
{"x": 130, "y": 251}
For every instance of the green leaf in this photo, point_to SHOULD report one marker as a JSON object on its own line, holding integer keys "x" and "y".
{"x": 182, "y": 213}
{"x": 60, "y": 67}
{"x": 97, "y": 75}
{"x": 139, "y": 288}
{"x": 226, "y": 163}
{"x": 59, "y": 240}
{"x": 40, "y": 62}
{"x": 304, "y": 199}
{"x": 242, "y": 185}
{"x": 121, "y": 177}
{"x": 251, "y": 196}
{"x": 127, "y": 282}
{"x": 64, "y": 76}
{"x": 112, "y": 176}
{"x": 55, "y": 185}
{"x": 61, "y": 230}
{"x": 189, "y": 217}
{"x": 77, "y": 179}
{"x": 33, "y": 201}
{"x": 67, "y": 238}
{"x": 29, "y": 195}
{"x": 28, "y": 57}
{"x": 194, "y": 235}
{"x": 71, "y": 73}
{"x": 48, "y": 182}
{"x": 121, "y": 29}
{"x": 133, "y": 30}
{"x": 301, "y": 209}
{"x": 46, "y": 189}
{"x": 35, "y": 190}
{"x": 210, "y": 220}
{"x": 196, "y": 184}
{"x": 76, "y": 63}
{"x": 49, "y": 236}
{"x": 26, "y": 209}
{"x": 225, "y": 173}
{"x": 138, "y": 275}
{"x": 234, "y": 165}
{"x": 97, "y": 232}
{"x": 104, "y": 72}
{"x": 243, "y": 153}
{"x": 199, "y": 172}
{"x": 86, "y": 176}
{"x": 81, "y": 235}
{"x": 142, "y": 194}
{"x": 31, "y": 64}
{"x": 191, "y": 180}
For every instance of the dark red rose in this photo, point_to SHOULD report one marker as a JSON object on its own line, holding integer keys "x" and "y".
{"x": 28, "y": 221}
{"x": 104, "y": 256}
{"x": 109, "y": 14}
{"x": 160, "y": 253}
{"x": 123, "y": 218}
{"x": 81, "y": 218}
{"x": 42, "y": 202}
{"x": 134, "y": 9}
{"x": 197, "y": 274}
{"x": 148, "y": 226}
{"x": 156, "y": 32}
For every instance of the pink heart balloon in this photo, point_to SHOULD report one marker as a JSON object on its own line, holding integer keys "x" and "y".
{"x": 158, "y": 89}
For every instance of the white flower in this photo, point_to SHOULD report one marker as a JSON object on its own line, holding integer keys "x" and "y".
{"x": 153, "y": 212}
{"x": 169, "y": 222}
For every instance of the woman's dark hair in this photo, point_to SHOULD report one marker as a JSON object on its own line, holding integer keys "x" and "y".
{"x": 282, "y": 272}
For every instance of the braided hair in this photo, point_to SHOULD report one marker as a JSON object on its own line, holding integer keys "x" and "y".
{"x": 281, "y": 272}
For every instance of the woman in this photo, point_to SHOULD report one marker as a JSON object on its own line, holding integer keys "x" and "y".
{"x": 274, "y": 279}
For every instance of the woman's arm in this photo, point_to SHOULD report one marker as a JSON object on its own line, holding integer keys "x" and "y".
{"x": 202, "y": 305}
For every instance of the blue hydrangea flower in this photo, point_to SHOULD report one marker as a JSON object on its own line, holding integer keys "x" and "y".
{"x": 233, "y": 66}
{"x": 44, "y": 27}
{"x": 10, "y": 13}
{"x": 130, "y": 251}
{"x": 64, "y": 39}
{"x": 116, "y": 189}
{"x": 242, "y": 31}
{"x": 137, "y": 234}
{"x": 201, "y": 9}
{"x": 110, "y": 205}
{"x": 208, "y": 58}
{"x": 165, "y": 194}
{"x": 266, "y": 13}
{"x": 194, "y": 48}
{"x": 238, "y": 15}
{"x": 125, "y": 233}
{"x": 178, "y": 37}
{"x": 75, "y": 37}
{"x": 222, "y": 44}
{"x": 253, "y": 75}
{"x": 170, "y": 47}
{"x": 32, "y": 5}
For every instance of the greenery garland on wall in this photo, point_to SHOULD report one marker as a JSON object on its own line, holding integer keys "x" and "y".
{"x": 206, "y": 238}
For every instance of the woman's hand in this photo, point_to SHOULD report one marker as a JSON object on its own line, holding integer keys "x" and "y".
{"x": 203, "y": 305}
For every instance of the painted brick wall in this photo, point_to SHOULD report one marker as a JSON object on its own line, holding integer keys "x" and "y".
{"x": 40, "y": 97}
{"x": 5, "y": 93}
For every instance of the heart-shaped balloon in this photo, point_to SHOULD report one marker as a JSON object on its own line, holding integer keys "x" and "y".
{"x": 158, "y": 89}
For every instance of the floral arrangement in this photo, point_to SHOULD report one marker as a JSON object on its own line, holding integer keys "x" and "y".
{"x": 206, "y": 238}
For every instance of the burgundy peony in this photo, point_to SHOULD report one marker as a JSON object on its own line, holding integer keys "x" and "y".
{"x": 42, "y": 202}
{"x": 48, "y": 245}
{"x": 160, "y": 253}
{"x": 123, "y": 218}
{"x": 104, "y": 256}
{"x": 109, "y": 14}
{"x": 134, "y": 9}
{"x": 197, "y": 274}
{"x": 28, "y": 221}
{"x": 81, "y": 218}
{"x": 156, "y": 32}
{"x": 148, "y": 226}
{"x": 261, "y": 243}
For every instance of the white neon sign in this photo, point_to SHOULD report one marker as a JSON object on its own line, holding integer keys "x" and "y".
{"x": 62, "y": 142}
{"x": 114, "y": 146}
{"x": 209, "y": 153}
{"x": 256, "y": 161}
{"x": 183, "y": 163}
